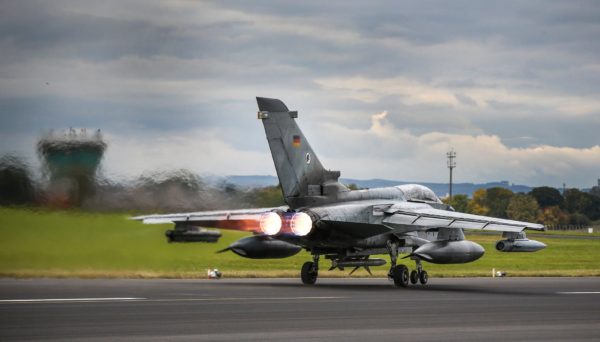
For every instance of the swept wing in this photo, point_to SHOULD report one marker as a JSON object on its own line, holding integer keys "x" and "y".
{"x": 423, "y": 217}
{"x": 260, "y": 220}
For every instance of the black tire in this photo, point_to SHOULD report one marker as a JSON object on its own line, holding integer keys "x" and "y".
{"x": 414, "y": 277}
{"x": 423, "y": 277}
{"x": 401, "y": 276}
{"x": 308, "y": 273}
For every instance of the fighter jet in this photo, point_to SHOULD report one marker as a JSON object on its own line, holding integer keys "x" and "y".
{"x": 348, "y": 227}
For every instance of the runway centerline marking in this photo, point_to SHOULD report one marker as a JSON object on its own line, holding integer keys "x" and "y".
{"x": 70, "y": 300}
{"x": 580, "y": 292}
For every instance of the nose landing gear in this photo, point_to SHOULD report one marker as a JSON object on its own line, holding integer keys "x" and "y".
{"x": 310, "y": 271}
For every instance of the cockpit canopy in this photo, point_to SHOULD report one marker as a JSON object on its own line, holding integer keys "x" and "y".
{"x": 416, "y": 192}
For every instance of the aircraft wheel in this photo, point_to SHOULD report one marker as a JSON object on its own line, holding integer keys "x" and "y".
{"x": 423, "y": 277}
{"x": 401, "y": 276}
{"x": 414, "y": 277}
{"x": 308, "y": 273}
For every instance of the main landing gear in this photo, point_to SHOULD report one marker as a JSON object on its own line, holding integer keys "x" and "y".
{"x": 399, "y": 273}
{"x": 419, "y": 275}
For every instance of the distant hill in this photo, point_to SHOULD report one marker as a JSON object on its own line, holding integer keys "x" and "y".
{"x": 441, "y": 189}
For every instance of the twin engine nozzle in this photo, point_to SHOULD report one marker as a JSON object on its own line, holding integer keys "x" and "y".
{"x": 299, "y": 224}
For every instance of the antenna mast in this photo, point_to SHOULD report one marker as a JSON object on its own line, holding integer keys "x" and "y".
{"x": 451, "y": 165}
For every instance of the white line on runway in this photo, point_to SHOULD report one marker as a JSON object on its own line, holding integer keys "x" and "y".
{"x": 65, "y": 300}
{"x": 581, "y": 292}
{"x": 236, "y": 299}
{"x": 137, "y": 299}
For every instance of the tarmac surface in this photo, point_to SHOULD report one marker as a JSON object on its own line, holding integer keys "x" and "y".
{"x": 451, "y": 309}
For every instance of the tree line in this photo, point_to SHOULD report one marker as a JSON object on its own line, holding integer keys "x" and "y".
{"x": 544, "y": 205}
{"x": 182, "y": 190}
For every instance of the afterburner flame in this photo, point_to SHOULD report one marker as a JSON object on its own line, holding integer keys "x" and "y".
{"x": 270, "y": 223}
{"x": 300, "y": 224}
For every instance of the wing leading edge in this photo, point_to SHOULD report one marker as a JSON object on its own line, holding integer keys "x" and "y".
{"x": 428, "y": 218}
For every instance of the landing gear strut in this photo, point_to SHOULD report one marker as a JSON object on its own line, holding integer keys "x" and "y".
{"x": 398, "y": 273}
{"x": 310, "y": 271}
{"x": 392, "y": 248}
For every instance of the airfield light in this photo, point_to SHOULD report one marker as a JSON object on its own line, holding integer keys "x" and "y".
{"x": 270, "y": 223}
{"x": 300, "y": 224}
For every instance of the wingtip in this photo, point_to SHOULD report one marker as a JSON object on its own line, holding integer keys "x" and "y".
{"x": 539, "y": 227}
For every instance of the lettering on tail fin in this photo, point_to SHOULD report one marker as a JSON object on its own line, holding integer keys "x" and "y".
{"x": 303, "y": 178}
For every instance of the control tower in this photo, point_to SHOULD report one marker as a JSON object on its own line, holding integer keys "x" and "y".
{"x": 70, "y": 160}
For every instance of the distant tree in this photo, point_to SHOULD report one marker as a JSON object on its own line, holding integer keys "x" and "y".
{"x": 547, "y": 196}
{"x": 553, "y": 215}
{"x": 458, "y": 202}
{"x": 579, "y": 219}
{"x": 270, "y": 196}
{"x": 523, "y": 207}
{"x": 595, "y": 191}
{"x": 230, "y": 188}
{"x": 169, "y": 190}
{"x": 352, "y": 186}
{"x": 478, "y": 204}
{"x": 16, "y": 184}
{"x": 592, "y": 210}
{"x": 579, "y": 202}
{"x": 497, "y": 200}
{"x": 575, "y": 200}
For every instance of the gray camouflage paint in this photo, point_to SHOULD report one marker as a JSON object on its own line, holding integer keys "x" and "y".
{"x": 353, "y": 223}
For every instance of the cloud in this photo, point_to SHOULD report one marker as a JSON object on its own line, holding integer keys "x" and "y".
{"x": 199, "y": 150}
{"x": 521, "y": 79}
{"x": 398, "y": 154}
{"x": 413, "y": 92}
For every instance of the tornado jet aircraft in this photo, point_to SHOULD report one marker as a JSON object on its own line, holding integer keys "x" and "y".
{"x": 348, "y": 227}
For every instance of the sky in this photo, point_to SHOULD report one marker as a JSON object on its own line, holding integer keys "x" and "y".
{"x": 384, "y": 89}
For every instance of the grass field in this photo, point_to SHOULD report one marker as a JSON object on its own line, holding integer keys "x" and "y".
{"x": 72, "y": 244}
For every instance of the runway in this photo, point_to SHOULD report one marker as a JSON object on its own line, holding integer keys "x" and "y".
{"x": 452, "y": 309}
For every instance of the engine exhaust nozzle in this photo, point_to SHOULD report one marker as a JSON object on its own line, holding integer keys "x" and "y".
{"x": 270, "y": 223}
{"x": 301, "y": 224}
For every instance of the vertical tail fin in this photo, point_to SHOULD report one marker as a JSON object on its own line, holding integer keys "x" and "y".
{"x": 301, "y": 174}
